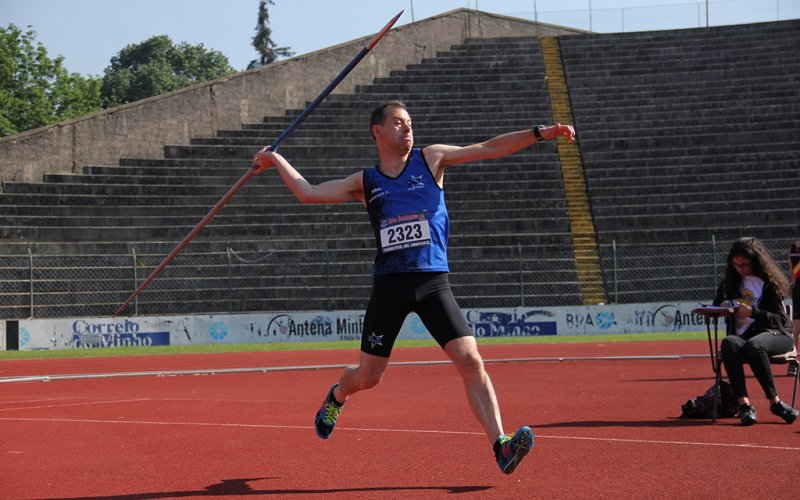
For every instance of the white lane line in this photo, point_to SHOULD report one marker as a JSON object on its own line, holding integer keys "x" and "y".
{"x": 83, "y": 403}
{"x": 36, "y": 400}
{"x": 267, "y": 369}
{"x": 409, "y": 431}
{"x": 678, "y": 443}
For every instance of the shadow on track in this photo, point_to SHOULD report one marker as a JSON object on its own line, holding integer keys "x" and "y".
{"x": 239, "y": 487}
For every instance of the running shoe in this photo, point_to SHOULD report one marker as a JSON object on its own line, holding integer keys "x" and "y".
{"x": 747, "y": 414}
{"x": 509, "y": 449}
{"x": 784, "y": 411}
{"x": 327, "y": 415}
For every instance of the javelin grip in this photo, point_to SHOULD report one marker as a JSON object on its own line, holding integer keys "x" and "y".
{"x": 273, "y": 147}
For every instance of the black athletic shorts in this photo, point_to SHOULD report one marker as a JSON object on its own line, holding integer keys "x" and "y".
{"x": 796, "y": 300}
{"x": 394, "y": 296}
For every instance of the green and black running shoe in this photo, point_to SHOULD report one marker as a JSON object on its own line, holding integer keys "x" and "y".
{"x": 327, "y": 415}
{"x": 510, "y": 449}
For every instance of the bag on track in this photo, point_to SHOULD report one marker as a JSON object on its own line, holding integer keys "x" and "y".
{"x": 702, "y": 406}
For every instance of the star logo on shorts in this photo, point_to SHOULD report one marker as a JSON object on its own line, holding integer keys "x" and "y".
{"x": 375, "y": 340}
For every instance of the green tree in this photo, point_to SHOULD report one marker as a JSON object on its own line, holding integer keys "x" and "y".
{"x": 156, "y": 66}
{"x": 36, "y": 90}
{"x": 262, "y": 41}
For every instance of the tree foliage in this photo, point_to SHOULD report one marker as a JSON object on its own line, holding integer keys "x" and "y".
{"x": 262, "y": 40}
{"x": 156, "y": 66}
{"x": 36, "y": 90}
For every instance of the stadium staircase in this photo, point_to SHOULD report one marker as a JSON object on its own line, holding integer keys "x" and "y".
{"x": 584, "y": 240}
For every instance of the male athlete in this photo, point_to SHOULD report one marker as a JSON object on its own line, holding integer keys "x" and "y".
{"x": 404, "y": 197}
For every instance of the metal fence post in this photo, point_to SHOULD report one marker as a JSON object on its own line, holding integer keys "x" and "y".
{"x": 230, "y": 281}
{"x": 135, "y": 282}
{"x": 30, "y": 269}
{"x": 521, "y": 277}
{"x": 327, "y": 278}
{"x": 614, "y": 270}
{"x": 714, "y": 261}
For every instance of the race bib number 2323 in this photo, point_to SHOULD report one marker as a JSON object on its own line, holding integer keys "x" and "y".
{"x": 405, "y": 231}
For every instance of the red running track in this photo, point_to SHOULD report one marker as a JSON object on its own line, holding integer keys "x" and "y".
{"x": 604, "y": 429}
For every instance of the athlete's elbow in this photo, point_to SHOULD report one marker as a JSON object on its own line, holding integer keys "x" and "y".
{"x": 310, "y": 197}
{"x": 303, "y": 192}
{"x": 304, "y": 198}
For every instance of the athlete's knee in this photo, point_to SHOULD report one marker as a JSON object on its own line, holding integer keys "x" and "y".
{"x": 468, "y": 363}
{"x": 368, "y": 374}
{"x": 370, "y": 378}
{"x": 463, "y": 352}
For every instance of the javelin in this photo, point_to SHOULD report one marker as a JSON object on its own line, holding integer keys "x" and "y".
{"x": 273, "y": 147}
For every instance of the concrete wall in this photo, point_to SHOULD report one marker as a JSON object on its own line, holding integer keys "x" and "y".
{"x": 141, "y": 129}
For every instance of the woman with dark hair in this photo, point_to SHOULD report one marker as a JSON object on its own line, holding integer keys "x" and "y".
{"x": 759, "y": 328}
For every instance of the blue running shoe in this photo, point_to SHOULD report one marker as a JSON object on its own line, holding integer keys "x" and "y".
{"x": 327, "y": 415}
{"x": 510, "y": 449}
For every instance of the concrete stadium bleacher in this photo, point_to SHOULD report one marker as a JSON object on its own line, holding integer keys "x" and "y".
{"x": 688, "y": 138}
{"x": 510, "y": 238}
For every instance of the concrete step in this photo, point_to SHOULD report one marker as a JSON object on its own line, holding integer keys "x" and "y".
{"x": 663, "y": 179}
{"x": 693, "y": 232}
{"x": 113, "y": 229}
{"x": 723, "y": 219}
{"x": 692, "y": 192}
{"x": 711, "y": 150}
{"x": 758, "y": 159}
{"x": 523, "y": 89}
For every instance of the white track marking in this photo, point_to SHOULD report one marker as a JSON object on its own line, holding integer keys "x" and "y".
{"x": 679, "y": 443}
{"x": 83, "y": 403}
{"x": 267, "y": 369}
{"x": 409, "y": 431}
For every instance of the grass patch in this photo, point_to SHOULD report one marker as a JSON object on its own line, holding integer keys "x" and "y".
{"x": 307, "y": 346}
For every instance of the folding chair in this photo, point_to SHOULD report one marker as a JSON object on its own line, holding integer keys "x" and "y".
{"x": 792, "y": 369}
{"x": 712, "y": 315}
{"x": 789, "y": 358}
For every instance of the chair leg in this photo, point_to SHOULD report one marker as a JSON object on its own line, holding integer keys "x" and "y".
{"x": 718, "y": 396}
{"x": 796, "y": 378}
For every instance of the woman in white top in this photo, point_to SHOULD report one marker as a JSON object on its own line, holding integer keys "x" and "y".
{"x": 759, "y": 328}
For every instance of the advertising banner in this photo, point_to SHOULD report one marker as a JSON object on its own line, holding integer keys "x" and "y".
{"x": 105, "y": 333}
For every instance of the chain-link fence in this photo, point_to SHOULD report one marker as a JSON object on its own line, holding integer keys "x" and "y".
{"x": 646, "y": 272}
{"x": 224, "y": 280}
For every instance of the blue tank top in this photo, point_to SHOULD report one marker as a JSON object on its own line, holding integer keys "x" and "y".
{"x": 409, "y": 219}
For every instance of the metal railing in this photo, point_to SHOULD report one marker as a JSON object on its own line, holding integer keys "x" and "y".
{"x": 235, "y": 281}
{"x": 663, "y": 16}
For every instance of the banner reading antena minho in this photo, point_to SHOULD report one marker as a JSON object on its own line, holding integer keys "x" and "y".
{"x": 93, "y": 332}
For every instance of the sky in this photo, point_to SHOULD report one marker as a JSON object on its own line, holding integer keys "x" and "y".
{"x": 88, "y": 33}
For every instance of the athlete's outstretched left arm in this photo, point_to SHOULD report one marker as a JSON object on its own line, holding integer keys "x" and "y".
{"x": 440, "y": 156}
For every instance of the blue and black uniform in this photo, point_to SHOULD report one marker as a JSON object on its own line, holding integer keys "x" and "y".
{"x": 411, "y": 226}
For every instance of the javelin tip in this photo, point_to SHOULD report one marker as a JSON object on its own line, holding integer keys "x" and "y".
{"x": 382, "y": 32}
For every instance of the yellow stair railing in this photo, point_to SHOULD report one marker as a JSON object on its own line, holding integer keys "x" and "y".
{"x": 584, "y": 239}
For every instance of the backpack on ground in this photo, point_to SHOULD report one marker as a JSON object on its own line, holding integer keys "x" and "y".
{"x": 702, "y": 406}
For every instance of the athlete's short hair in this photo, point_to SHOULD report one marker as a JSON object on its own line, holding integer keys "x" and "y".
{"x": 379, "y": 114}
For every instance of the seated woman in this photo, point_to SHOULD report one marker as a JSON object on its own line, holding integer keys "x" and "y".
{"x": 759, "y": 328}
